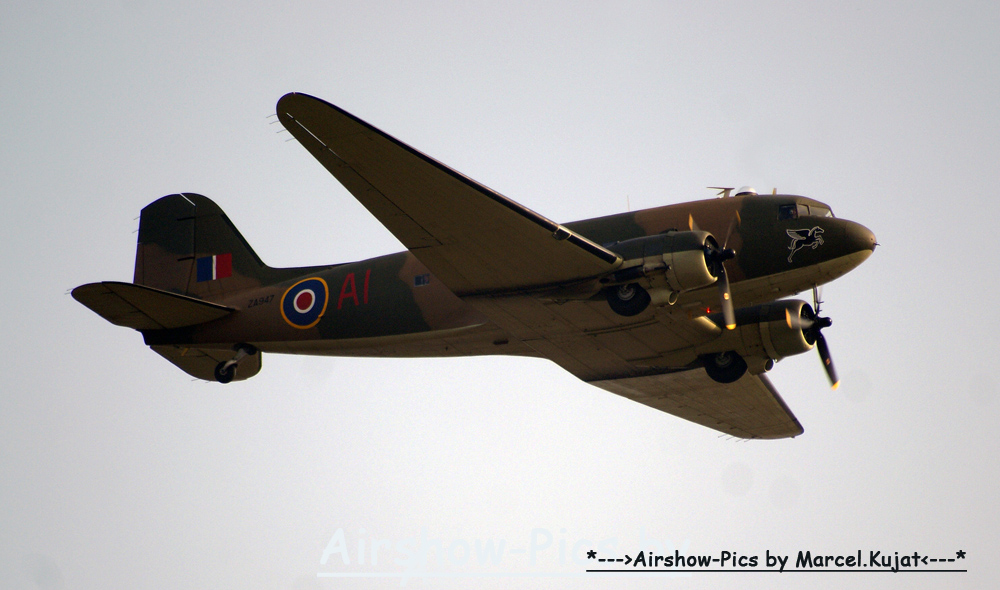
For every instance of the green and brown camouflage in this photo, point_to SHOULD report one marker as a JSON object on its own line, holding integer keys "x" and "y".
{"x": 758, "y": 233}
{"x": 397, "y": 299}
{"x": 390, "y": 296}
{"x": 202, "y": 298}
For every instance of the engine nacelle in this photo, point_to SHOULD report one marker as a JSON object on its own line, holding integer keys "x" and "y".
{"x": 763, "y": 332}
{"x": 673, "y": 262}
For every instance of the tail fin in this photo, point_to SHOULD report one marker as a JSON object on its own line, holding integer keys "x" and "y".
{"x": 189, "y": 257}
{"x": 187, "y": 245}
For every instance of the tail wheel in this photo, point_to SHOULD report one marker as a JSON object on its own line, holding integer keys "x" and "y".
{"x": 628, "y": 300}
{"x": 724, "y": 367}
{"x": 225, "y": 371}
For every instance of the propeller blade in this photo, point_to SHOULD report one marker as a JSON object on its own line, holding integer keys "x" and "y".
{"x": 732, "y": 225}
{"x": 824, "y": 355}
{"x": 817, "y": 298}
{"x": 692, "y": 225}
{"x": 716, "y": 257}
{"x": 726, "y": 298}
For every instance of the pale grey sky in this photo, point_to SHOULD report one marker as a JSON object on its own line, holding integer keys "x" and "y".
{"x": 116, "y": 470}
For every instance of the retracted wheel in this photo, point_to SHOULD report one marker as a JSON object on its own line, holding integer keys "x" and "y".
{"x": 724, "y": 367}
{"x": 628, "y": 300}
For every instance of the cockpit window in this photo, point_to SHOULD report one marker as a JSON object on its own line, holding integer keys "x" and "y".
{"x": 787, "y": 212}
{"x": 800, "y": 210}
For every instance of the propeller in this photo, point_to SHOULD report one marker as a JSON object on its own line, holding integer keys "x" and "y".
{"x": 716, "y": 258}
{"x": 812, "y": 326}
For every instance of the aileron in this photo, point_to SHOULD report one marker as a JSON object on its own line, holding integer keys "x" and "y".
{"x": 748, "y": 408}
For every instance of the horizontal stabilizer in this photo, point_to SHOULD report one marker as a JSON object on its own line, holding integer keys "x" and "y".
{"x": 146, "y": 308}
{"x": 201, "y": 363}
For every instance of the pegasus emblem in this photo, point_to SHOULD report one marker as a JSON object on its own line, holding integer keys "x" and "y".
{"x": 802, "y": 238}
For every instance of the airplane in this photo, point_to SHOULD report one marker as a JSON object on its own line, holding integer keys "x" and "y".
{"x": 681, "y": 307}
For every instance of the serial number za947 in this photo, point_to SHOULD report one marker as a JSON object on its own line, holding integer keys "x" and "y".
{"x": 260, "y": 301}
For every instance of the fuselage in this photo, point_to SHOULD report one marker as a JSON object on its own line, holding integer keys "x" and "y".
{"x": 393, "y": 306}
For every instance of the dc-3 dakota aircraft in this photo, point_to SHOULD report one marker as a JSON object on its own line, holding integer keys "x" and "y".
{"x": 677, "y": 307}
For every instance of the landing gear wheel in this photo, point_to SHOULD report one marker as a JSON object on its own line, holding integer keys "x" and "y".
{"x": 628, "y": 300}
{"x": 724, "y": 367}
{"x": 223, "y": 373}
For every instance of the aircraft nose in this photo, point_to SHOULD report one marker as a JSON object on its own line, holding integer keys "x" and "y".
{"x": 859, "y": 237}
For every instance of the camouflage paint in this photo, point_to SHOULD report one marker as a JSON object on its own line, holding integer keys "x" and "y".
{"x": 396, "y": 295}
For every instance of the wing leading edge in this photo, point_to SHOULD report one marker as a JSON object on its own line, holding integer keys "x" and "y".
{"x": 473, "y": 239}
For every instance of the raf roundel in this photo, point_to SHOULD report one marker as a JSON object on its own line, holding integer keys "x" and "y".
{"x": 303, "y": 303}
